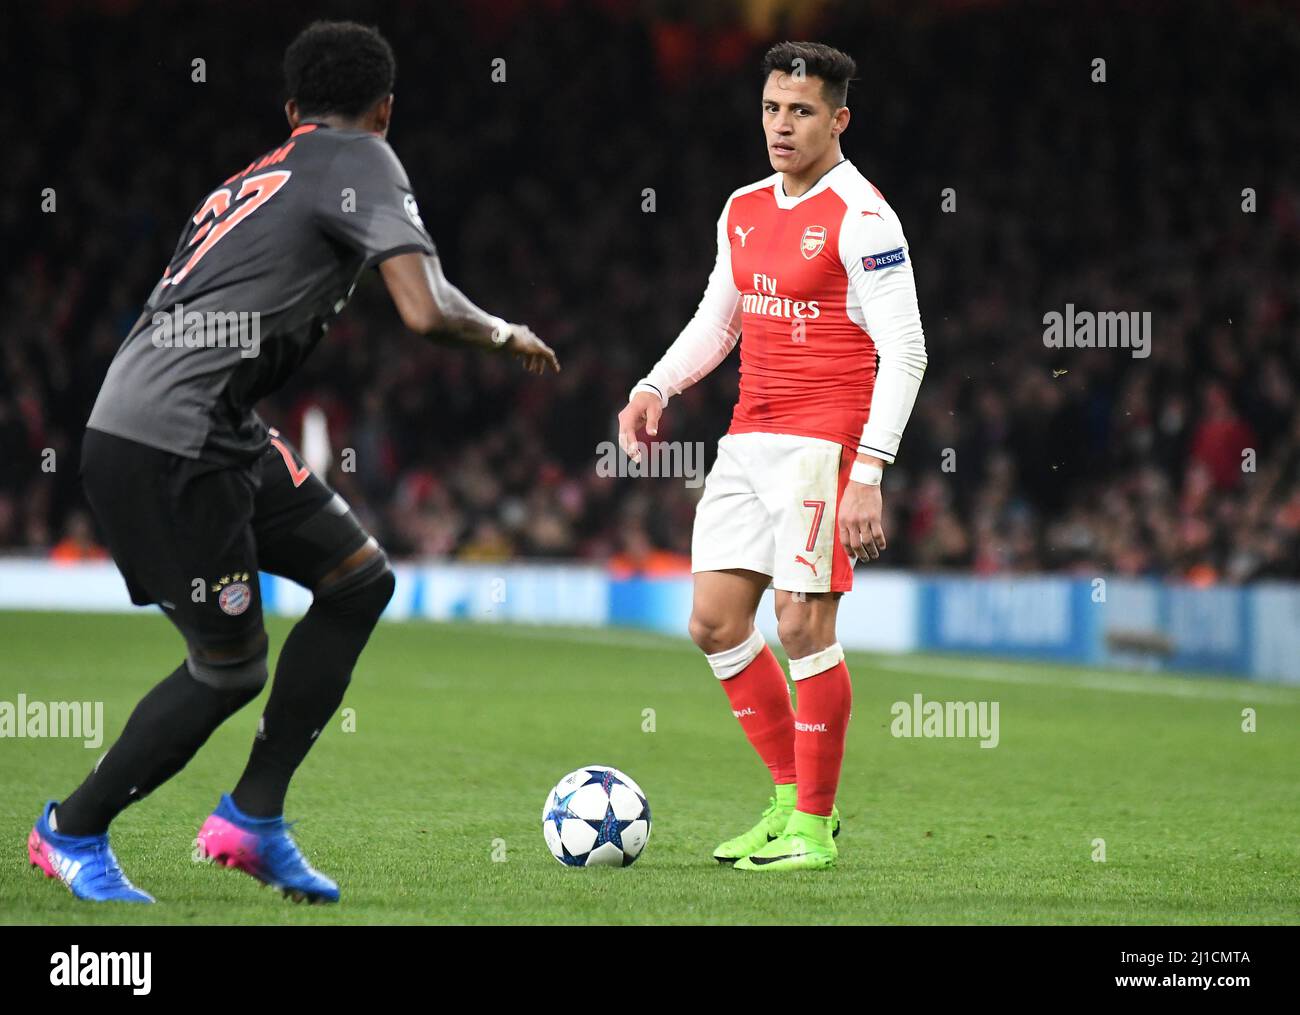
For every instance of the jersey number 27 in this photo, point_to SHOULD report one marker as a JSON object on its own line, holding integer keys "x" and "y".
{"x": 257, "y": 189}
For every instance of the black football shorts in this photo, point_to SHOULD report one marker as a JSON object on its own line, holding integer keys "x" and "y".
{"x": 191, "y": 535}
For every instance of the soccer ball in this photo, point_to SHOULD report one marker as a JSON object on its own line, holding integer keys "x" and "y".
{"x": 596, "y": 817}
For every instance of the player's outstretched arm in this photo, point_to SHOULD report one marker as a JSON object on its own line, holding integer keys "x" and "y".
{"x": 430, "y": 305}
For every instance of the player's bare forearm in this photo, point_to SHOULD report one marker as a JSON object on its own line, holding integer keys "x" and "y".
{"x": 431, "y": 306}
{"x": 461, "y": 320}
{"x": 465, "y": 322}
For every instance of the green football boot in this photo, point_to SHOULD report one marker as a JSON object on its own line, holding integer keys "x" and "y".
{"x": 806, "y": 844}
{"x": 769, "y": 826}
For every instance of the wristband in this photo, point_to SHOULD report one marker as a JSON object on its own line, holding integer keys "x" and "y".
{"x": 866, "y": 473}
{"x": 500, "y": 333}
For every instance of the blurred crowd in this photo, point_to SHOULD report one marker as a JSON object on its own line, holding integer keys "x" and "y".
{"x": 1169, "y": 187}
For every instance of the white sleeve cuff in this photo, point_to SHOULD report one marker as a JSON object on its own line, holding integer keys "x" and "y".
{"x": 644, "y": 385}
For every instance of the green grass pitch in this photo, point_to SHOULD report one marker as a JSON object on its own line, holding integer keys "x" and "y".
{"x": 460, "y": 731}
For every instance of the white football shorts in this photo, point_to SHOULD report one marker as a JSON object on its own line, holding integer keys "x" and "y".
{"x": 770, "y": 505}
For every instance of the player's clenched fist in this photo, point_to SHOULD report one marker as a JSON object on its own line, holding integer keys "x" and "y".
{"x": 643, "y": 410}
{"x": 861, "y": 533}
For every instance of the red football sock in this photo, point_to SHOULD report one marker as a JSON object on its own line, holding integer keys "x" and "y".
{"x": 760, "y": 699}
{"x": 822, "y": 719}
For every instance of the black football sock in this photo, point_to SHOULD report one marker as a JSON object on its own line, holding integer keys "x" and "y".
{"x": 166, "y": 729}
{"x": 313, "y": 672}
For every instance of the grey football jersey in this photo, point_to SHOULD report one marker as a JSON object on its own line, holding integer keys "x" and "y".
{"x": 267, "y": 260}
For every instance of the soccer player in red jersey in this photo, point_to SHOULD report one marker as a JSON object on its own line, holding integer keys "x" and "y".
{"x": 815, "y": 273}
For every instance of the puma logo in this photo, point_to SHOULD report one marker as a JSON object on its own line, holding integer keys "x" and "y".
{"x": 811, "y": 563}
{"x": 875, "y": 213}
{"x": 743, "y": 234}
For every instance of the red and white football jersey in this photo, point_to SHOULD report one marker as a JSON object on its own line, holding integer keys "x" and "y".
{"x": 814, "y": 287}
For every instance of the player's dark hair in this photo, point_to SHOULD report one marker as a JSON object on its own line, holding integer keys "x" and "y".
{"x": 817, "y": 60}
{"x": 338, "y": 67}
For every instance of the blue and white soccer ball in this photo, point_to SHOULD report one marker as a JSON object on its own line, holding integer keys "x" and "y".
{"x": 596, "y": 817}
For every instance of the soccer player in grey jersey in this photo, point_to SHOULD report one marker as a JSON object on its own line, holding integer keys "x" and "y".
{"x": 195, "y": 494}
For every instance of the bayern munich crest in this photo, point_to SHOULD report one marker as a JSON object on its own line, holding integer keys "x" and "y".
{"x": 234, "y": 598}
{"x": 814, "y": 238}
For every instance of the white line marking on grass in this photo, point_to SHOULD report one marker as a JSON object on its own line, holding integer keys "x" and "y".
{"x": 1075, "y": 678}
{"x": 611, "y": 637}
{"x": 1080, "y": 679}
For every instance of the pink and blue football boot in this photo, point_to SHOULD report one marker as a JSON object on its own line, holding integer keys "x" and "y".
{"x": 85, "y": 863}
{"x": 262, "y": 848}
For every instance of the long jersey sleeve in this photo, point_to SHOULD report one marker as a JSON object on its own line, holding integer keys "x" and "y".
{"x": 708, "y": 337}
{"x": 878, "y": 261}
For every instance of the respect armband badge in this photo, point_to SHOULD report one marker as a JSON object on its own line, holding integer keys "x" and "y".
{"x": 886, "y": 259}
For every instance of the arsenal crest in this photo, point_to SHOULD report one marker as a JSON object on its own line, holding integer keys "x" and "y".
{"x": 814, "y": 238}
